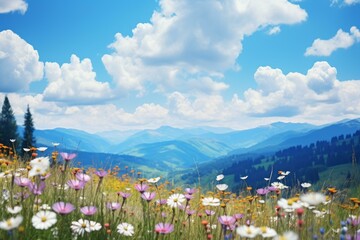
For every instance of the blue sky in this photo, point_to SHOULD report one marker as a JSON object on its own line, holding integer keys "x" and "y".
{"x": 134, "y": 64}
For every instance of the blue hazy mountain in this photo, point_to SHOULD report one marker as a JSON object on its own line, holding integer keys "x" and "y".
{"x": 182, "y": 146}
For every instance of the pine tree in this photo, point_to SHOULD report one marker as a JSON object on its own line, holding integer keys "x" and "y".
{"x": 28, "y": 140}
{"x": 8, "y": 127}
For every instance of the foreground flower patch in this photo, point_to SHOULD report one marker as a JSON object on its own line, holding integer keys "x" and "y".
{"x": 47, "y": 198}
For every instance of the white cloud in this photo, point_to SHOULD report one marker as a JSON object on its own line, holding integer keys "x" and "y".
{"x": 351, "y": 2}
{"x": 345, "y": 2}
{"x": 7, "y": 6}
{"x": 318, "y": 93}
{"x": 274, "y": 30}
{"x": 19, "y": 63}
{"x": 74, "y": 83}
{"x": 317, "y": 97}
{"x": 186, "y": 40}
{"x": 340, "y": 40}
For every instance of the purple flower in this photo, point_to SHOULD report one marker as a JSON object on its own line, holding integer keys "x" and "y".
{"x": 88, "y": 210}
{"x": 101, "y": 173}
{"x": 36, "y": 189}
{"x": 82, "y": 177}
{"x": 113, "y": 205}
{"x": 190, "y": 212}
{"x": 209, "y": 212}
{"x": 76, "y": 184}
{"x": 68, "y": 156}
{"x": 124, "y": 195}
{"x": 63, "y": 208}
{"x": 238, "y": 216}
{"x": 141, "y": 188}
{"x": 161, "y": 201}
{"x": 227, "y": 220}
{"x": 22, "y": 181}
{"x": 188, "y": 196}
{"x": 164, "y": 228}
{"x": 190, "y": 191}
{"x": 272, "y": 188}
{"x": 263, "y": 191}
{"x": 148, "y": 196}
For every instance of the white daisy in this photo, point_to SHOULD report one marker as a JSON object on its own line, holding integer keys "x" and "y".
{"x": 14, "y": 210}
{"x": 306, "y": 185}
{"x": 281, "y": 177}
{"x": 279, "y": 185}
{"x": 220, "y": 177}
{"x": 125, "y": 229}
{"x": 175, "y": 200}
{"x": 289, "y": 205}
{"x": 42, "y": 149}
{"x": 94, "y": 226}
{"x": 222, "y": 187}
{"x": 287, "y": 236}
{"x": 11, "y": 223}
{"x": 313, "y": 198}
{"x": 267, "y": 232}
{"x": 211, "y": 201}
{"x": 80, "y": 227}
{"x": 43, "y": 220}
{"x": 248, "y": 231}
{"x": 285, "y": 173}
{"x": 153, "y": 180}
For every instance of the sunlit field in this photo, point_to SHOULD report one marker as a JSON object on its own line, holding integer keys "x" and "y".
{"x": 45, "y": 197}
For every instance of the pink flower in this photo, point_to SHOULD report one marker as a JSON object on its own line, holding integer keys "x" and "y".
{"x": 76, "y": 184}
{"x": 68, "y": 156}
{"x": 190, "y": 191}
{"x": 88, "y": 210}
{"x": 22, "y": 181}
{"x": 83, "y": 177}
{"x": 101, "y": 173}
{"x": 190, "y": 212}
{"x": 263, "y": 191}
{"x": 141, "y": 187}
{"x": 209, "y": 212}
{"x": 63, "y": 208}
{"x": 164, "y": 228}
{"x": 36, "y": 189}
{"x": 148, "y": 196}
{"x": 227, "y": 220}
{"x": 113, "y": 206}
{"x": 124, "y": 195}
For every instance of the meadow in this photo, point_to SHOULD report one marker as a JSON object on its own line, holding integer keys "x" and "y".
{"x": 44, "y": 196}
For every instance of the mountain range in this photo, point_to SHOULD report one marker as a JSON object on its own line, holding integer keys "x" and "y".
{"x": 174, "y": 148}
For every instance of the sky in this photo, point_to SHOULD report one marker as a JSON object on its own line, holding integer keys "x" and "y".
{"x": 141, "y": 64}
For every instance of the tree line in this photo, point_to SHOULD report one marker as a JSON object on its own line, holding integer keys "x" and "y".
{"x": 9, "y": 135}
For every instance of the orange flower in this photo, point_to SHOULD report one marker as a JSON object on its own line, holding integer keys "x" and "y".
{"x": 332, "y": 190}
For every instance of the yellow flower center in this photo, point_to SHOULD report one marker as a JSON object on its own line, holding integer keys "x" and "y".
{"x": 43, "y": 219}
{"x": 9, "y": 223}
{"x": 263, "y": 229}
{"x": 83, "y": 225}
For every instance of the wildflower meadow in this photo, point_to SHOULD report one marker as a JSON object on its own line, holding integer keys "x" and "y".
{"x": 47, "y": 197}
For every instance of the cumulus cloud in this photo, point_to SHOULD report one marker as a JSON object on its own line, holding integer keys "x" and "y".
{"x": 340, "y": 40}
{"x": 345, "y": 2}
{"x": 298, "y": 95}
{"x": 7, "y": 6}
{"x": 351, "y": 2}
{"x": 186, "y": 40}
{"x": 19, "y": 63}
{"x": 74, "y": 83}
{"x": 274, "y": 30}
